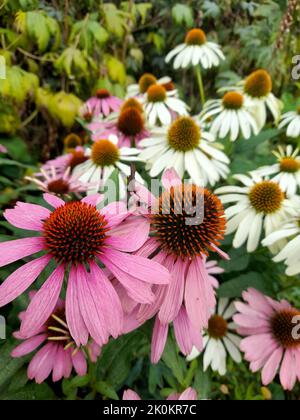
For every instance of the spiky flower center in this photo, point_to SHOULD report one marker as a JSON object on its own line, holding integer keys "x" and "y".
{"x": 72, "y": 141}
{"x": 156, "y": 93}
{"x": 283, "y": 328}
{"x": 184, "y": 134}
{"x": 217, "y": 327}
{"x": 189, "y": 220}
{"x": 75, "y": 232}
{"x": 195, "y": 37}
{"x": 146, "y": 81}
{"x": 131, "y": 122}
{"x": 258, "y": 84}
{"x": 77, "y": 158}
{"x": 233, "y": 100}
{"x": 132, "y": 103}
{"x": 58, "y": 186}
{"x": 289, "y": 164}
{"x": 102, "y": 93}
{"x": 266, "y": 197}
{"x": 105, "y": 153}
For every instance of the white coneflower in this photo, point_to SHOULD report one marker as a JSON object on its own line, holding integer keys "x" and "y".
{"x": 291, "y": 119}
{"x": 162, "y": 106}
{"x": 105, "y": 157}
{"x": 289, "y": 232}
{"x": 231, "y": 116}
{"x": 259, "y": 204}
{"x": 219, "y": 339}
{"x": 196, "y": 50}
{"x": 257, "y": 90}
{"x": 286, "y": 171}
{"x": 145, "y": 81}
{"x": 185, "y": 147}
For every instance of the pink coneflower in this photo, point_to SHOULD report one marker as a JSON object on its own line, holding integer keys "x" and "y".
{"x": 272, "y": 340}
{"x": 103, "y": 103}
{"x": 128, "y": 126}
{"x": 3, "y": 149}
{"x": 77, "y": 237}
{"x": 57, "y": 352}
{"x": 71, "y": 159}
{"x": 59, "y": 184}
{"x": 188, "y": 394}
{"x": 182, "y": 247}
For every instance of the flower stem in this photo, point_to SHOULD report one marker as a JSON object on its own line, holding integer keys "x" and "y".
{"x": 200, "y": 84}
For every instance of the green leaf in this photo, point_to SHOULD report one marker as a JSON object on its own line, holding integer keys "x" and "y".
{"x": 116, "y": 69}
{"x": 106, "y": 390}
{"x": 173, "y": 360}
{"x": 234, "y": 288}
{"x": 202, "y": 384}
{"x": 9, "y": 365}
{"x": 31, "y": 392}
{"x": 183, "y": 15}
{"x": 115, "y": 362}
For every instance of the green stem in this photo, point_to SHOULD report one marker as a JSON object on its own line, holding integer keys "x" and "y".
{"x": 200, "y": 84}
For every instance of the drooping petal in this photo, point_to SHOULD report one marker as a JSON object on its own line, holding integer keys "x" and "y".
{"x": 43, "y": 303}
{"x": 28, "y": 345}
{"x": 170, "y": 178}
{"x": 130, "y": 235}
{"x": 11, "y": 251}
{"x": 21, "y": 279}
{"x": 42, "y": 363}
{"x": 79, "y": 363}
{"x": 110, "y": 301}
{"x": 159, "y": 338}
{"x": 75, "y": 321}
{"x": 91, "y": 307}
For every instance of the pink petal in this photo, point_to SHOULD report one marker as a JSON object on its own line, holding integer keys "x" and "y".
{"x": 288, "y": 371}
{"x": 138, "y": 267}
{"x": 174, "y": 295}
{"x": 27, "y": 216}
{"x": 115, "y": 213}
{"x": 188, "y": 394}
{"x": 137, "y": 290}
{"x": 110, "y": 301}
{"x": 75, "y": 321}
{"x": 79, "y": 363}
{"x": 270, "y": 369}
{"x": 68, "y": 365}
{"x": 186, "y": 335}
{"x": 53, "y": 200}
{"x": 21, "y": 279}
{"x": 170, "y": 178}
{"x": 17, "y": 249}
{"x": 28, "y": 345}
{"x": 91, "y": 307}
{"x": 58, "y": 368}
{"x": 43, "y": 303}
{"x": 159, "y": 339}
{"x": 130, "y": 235}
{"x": 93, "y": 199}
{"x": 130, "y": 395}
{"x": 42, "y": 363}
{"x": 199, "y": 300}
{"x": 258, "y": 301}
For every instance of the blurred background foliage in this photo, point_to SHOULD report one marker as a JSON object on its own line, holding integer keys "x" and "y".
{"x": 57, "y": 54}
